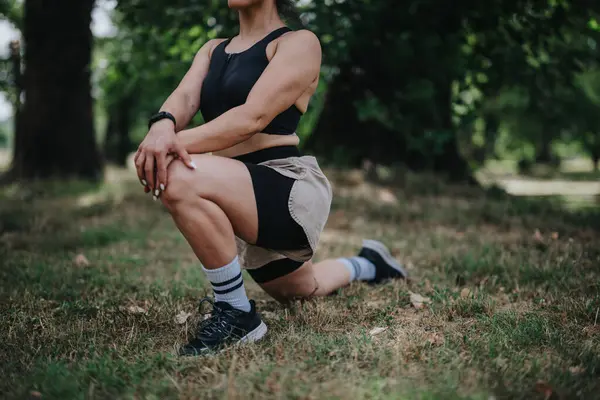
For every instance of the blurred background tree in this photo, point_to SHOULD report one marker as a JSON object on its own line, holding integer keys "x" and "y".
{"x": 427, "y": 84}
{"x": 55, "y": 125}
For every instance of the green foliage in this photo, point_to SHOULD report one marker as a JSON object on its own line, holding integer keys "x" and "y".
{"x": 507, "y": 78}
{"x": 11, "y": 11}
{"x": 4, "y": 134}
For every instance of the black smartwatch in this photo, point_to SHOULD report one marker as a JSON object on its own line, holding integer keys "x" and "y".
{"x": 160, "y": 116}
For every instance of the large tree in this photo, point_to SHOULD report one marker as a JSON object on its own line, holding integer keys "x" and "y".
{"x": 396, "y": 72}
{"x": 400, "y": 72}
{"x": 56, "y": 134}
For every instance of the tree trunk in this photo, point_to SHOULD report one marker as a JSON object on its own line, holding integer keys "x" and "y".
{"x": 447, "y": 160}
{"x": 491, "y": 135}
{"x": 15, "y": 57}
{"x": 117, "y": 144}
{"x": 544, "y": 147}
{"x": 341, "y": 136}
{"x": 56, "y": 134}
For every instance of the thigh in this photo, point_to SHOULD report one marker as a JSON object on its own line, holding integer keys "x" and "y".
{"x": 277, "y": 230}
{"x": 225, "y": 182}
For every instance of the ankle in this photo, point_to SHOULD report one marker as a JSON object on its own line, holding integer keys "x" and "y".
{"x": 228, "y": 285}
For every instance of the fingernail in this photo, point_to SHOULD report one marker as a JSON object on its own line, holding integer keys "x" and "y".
{"x": 144, "y": 182}
{"x": 154, "y": 198}
{"x": 193, "y": 164}
{"x": 162, "y": 187}
{"x": 156, "y": 193}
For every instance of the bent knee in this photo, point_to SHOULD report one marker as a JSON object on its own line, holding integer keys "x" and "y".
{"x": 184, "y": 182}
{"x": 300, "y": 291}
{"x": 180, "y": 183}
{"x": 290, "y": 288}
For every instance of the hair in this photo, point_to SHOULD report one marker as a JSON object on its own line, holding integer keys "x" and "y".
{"x": 288, "y": 12}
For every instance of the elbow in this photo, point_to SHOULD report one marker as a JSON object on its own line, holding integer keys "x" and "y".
{"x": 256, "y": 119}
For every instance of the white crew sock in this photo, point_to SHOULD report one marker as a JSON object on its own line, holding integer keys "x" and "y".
{"x": 360, "y": 268}
{"x": 228, "y": 285}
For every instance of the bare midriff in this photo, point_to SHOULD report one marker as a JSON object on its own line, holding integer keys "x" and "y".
{"x": 258, "y": 142}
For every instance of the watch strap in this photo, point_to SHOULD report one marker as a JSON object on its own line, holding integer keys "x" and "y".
{"x": 160, "y": 116}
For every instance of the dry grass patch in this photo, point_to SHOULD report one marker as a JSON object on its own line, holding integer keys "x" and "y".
{"x": 93, "y": 278}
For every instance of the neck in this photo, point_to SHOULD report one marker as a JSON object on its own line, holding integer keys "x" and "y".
{"x": 259, "y": 20}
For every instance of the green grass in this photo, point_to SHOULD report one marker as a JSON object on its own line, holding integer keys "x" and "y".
{"x": 510, "y": 307}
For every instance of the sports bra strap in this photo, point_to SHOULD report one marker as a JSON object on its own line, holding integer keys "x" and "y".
{"x": 275, "y": 34}
{"x": 266, "y": 40}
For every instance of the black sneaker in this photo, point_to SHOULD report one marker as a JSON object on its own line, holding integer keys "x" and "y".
{"x": 386, "y": 267}
{"x": 225, "y": 326}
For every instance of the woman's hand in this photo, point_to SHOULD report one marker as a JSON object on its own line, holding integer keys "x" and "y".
{"x": 152, "y": 157}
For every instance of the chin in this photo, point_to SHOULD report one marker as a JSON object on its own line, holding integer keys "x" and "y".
{"x": 239, "y": 4}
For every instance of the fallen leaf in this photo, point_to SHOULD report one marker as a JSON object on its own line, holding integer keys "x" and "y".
{"x": 436, "y": 339}
{"x": 374, "y": 304}
{"x": 376, "y": 331}
{"x": 268, "y": 315}
{"x": 81, "y": 260}
{"x": 136, "y": 310}
{"x": 417, "y": 300}
{"x": 592, "y": 330}
{"x": 501, "y": 362}
{"x": 554, "y": 235}
{"x": 544, "y": 388}
{"x": 428, "y": 288}
{"x": 35, "y": 394}
{"x": 466, "y": 292}
{"x": 576, "y": 370}
{"x": 537, "y": 235}
{"x": 182, "y": 317}
{"x": 386, "y": 196}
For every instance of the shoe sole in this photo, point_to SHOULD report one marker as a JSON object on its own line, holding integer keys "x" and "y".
{"x": 383, "y": 251}
{"x": 254, "y": 336}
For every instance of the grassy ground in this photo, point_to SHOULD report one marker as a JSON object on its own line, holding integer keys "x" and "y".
{"x": 92, "y": 279}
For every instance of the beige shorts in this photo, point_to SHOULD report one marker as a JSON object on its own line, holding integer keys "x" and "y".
{"x": 309, "y": 203}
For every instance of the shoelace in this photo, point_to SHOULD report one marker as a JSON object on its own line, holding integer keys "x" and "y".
{"x": 217, "y": 323}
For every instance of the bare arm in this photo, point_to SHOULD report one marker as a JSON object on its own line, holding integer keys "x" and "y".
{"x": 293, "y": 68}
{"x": 184, "y": 102}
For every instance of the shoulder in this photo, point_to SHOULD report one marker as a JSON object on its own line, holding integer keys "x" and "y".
{"x": 299, "y": 45}
{"x": 208, "y": 47}
{"x": 303, "y": 39}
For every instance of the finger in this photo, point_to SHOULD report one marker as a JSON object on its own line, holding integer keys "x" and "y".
{"x": 185, "y": 157}
{"x": 135, "y": 164}
{"x": 161, "y": 174}
{"x": 139, "y": 167}
{"x": 146, "y": 189}
{"x": 149, "y": 170}
{"x": 169, "y": 159}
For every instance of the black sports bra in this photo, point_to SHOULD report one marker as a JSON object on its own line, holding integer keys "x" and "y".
{"x": 230, "y": 78}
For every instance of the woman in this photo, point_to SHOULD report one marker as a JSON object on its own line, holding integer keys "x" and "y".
{"x": 255, "y": 202}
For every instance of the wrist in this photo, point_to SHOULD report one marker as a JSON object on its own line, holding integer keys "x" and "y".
{"x": 184, "y": 139}
{"x": 162, "y": 117}
{"x": 163, "y": 124}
